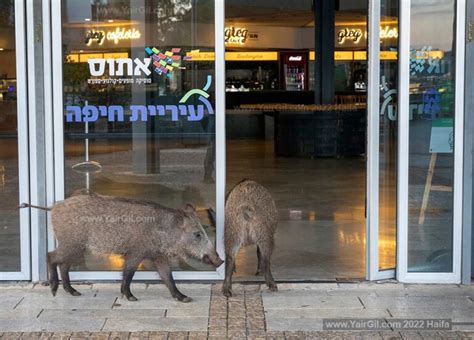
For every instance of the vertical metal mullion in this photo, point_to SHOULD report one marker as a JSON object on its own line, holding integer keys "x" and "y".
{"x": 373, "y": 104}
{"x": 36, "y": 135}
{"x": 48, "y": 115}
{"x": 57, "y": 80}
{"x": 458, "y": 137}
{"x": 22, "y": 128}
{"x": 403, "y": 138}
{"x": 219, "y": 25}
{"x": 466, "y": 270}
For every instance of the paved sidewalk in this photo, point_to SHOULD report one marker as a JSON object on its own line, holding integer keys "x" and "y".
{"x": 295, "y": 311}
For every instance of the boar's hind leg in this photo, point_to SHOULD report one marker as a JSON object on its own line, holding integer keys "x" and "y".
{"x": 53, "y": 272}
{"x": 128, "y": 271}
{"x": 64, "y": 268}
{"x": 229, "y": 270}
{"x": 163, "y": 268}
{"x": 266, "y": 249}
{"x": 259, "y": 263}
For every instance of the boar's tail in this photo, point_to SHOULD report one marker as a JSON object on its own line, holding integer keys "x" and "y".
{"x": 27, "y": 205}
{"x": 212, "y": 215}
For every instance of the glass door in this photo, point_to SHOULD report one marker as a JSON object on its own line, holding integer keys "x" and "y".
{"x": 431, "y": 140}
{"x": 296, "y": 122}
{"x": 383, "y": 139}
{"x": 136, "y": 109}
{"x": 14, "y": 223}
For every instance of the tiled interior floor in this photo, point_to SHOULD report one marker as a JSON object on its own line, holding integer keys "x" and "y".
{"x": 321, "y": 234}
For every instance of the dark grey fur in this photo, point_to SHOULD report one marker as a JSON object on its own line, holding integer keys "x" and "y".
{"x": 136, "y": 229}
{"x": 250, "y": 218}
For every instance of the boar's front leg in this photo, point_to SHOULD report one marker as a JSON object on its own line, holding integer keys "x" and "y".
{"x": 164, "y": 269}
{"x": 53, "y": 272}
{"x": 129, "y": 270}
{"x": 64, "y": 268}
{"x": 259, "y": 263}
{"x": 229, "y": 270}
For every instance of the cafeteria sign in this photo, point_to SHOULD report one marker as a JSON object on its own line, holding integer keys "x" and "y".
{"x": 116, "y": 35}
{"x": 442, "y": 136}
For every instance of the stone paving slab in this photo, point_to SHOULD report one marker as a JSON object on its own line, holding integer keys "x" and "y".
{"x": 156, "y": 324}
{"x": 283, "y": 335}
{"x": 296, "y": 311}
{"x": 441, "y": 302}
{"x": 321, "y": 313}
{"x": 10, "y": 301}
{"x": 102, "y": 313}
{"x": 304, "y": 299}
{"x": 163, "y": 302}
{"x": 51, "y": 325}
{"x": 86, "y": 301}
{"x": 456, "y": 314}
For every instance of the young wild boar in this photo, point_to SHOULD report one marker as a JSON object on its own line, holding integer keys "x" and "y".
{"x": 136, "y": 229}
{"x": 250, "y": 218}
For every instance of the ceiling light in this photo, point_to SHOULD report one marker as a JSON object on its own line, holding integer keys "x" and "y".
{"x": 87, "y": 19}
{"x": 1, "y": 48}
{"x": 110, "y": 20}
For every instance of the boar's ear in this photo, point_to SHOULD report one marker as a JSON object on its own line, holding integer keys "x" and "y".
{"x": 248, "y": 212}
{"x": 189, "y": 208}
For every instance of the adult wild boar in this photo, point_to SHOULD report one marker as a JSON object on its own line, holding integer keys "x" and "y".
{"x": 250, "y": 218}
{"x": 136, "y": 229}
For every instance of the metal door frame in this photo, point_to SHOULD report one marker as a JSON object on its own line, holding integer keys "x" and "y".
{"x": 403, "y": 154}
{"x": 373, "y": 271}
{"x": 23, "y": 160}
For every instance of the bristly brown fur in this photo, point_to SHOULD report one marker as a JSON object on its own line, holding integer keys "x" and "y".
{"x": 251, "y": 217}
{"x": 135, "y": 229}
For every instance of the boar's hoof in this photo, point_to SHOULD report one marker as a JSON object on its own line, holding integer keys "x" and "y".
{"x": 184, "y": 299}
{"x": 74, "y": 292}
{"x": 227, "y": 291}
{"x": 54, "y": 288}
{"x": 273, "y": 287}
{"x": 129, "y": 297}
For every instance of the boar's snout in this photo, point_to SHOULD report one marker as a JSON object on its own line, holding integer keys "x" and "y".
{"x": 212, "y": 259}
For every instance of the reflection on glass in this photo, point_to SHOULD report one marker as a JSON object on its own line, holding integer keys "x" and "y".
{"x": 9, "y": 217}
{"x": 139, "y": 105}
{"x": 430, "y": 231}
{"x": 388, "y": 135}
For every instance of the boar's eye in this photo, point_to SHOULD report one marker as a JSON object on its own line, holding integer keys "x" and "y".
{"x": 198, "y": 235}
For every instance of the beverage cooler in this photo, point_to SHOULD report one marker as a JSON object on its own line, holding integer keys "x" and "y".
{"x": 294, "y": 70}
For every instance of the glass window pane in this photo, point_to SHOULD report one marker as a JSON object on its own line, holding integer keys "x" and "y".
{"x": 139, "y": 104}
{"x": 9, "y": 189}
{"x": 430, "y": 230}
